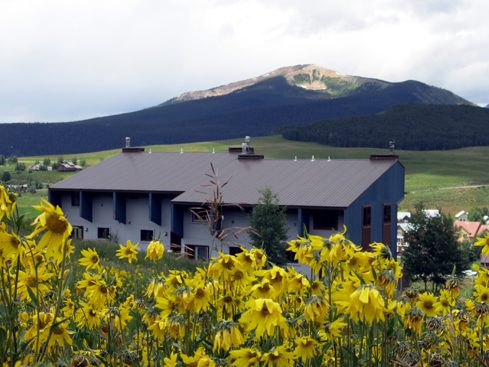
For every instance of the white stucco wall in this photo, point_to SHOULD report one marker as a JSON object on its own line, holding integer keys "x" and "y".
{"x": 137, "y": 219}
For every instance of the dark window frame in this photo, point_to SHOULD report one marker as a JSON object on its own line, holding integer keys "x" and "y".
{"x": 327, "y": 225}
{"x": 76, "y": 230}
{"x": 144, "y": 235}
{"x": 75, "y": 199}
{"x": 367, "y": 209}
{"x": 103, "y": 233}
{"x": 194, "y": 253}
{"x": 387, "y": 216}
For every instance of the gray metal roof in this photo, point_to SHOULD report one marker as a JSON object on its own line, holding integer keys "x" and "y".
{"x": 322, "y": 183}
{"x": 144, "y": 171}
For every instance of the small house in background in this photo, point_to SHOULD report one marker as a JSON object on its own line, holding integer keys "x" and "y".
{"x": 67, "y": 166}
{"x": 139, "y": 196}
{"x": 462, "y": 216}
{"x": 431, "y": 213}
{"x": 35, "y": 167}
{"x": 403, "y": 217}
{"x": 402, "y": 244}
{"x": 467, "y": 230}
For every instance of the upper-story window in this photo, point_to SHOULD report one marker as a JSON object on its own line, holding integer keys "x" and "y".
{"x": 387, "y": 214}
{"x": 75, "y": 199}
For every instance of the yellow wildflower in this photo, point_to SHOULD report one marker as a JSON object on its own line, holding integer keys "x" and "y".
{"x": 55, "y": 226}
{"x": 155, "y": 250}
{"x": 263, "y": 316}
{"x": 484, "y": 243}
{"x": 90, "y": 259}
{"x": 306, "y": 348}
{"x": 428, "y": 303}
{"x": 128, "y": 252}
{"x": 246, "y": 357}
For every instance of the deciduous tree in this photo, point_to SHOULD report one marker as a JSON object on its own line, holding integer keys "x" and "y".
{"x": 433, "y": 252}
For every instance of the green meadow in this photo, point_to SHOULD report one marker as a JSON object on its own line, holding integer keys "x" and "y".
{"x": 451, "y": 180}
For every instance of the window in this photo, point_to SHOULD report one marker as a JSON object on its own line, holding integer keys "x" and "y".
{"x": 103, "y": 233}
{"x": 197, "y": 252}
{"x": 77, "y": 233}
{"x": 326, "y": 219}
{"x": 234, "y": 250}
{"x": 387, "y": 214}
{"x": 199, "y": 215}
{"x": 75, "y": 199}
{"x": 146, "y": 235}
{"x": 367, "y": 216}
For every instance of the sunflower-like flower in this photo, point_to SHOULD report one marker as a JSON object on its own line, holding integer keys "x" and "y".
{"x": 55, "y": 226}
{"x": 245, "y": 357}
{"x": 90, "y": 259}
{"x": 155, "y": 250}
{"x": 366, "y": 304}
{"x": 88, "y": 315}
{"x": 128, "y": 252}
{"x": 277, "y": 357}
{"x": 306, "y": 348}
{"x": 484, "y": 243}
{"x": 263, "y": 316}
{"x": 428, "y": 303}
{"x": 227, "y": 336}
{"x": 7, "y": 203}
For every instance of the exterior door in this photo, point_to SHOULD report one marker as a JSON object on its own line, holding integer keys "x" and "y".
{"x": 366, "y": 226}
{"x": 386, "y": 226}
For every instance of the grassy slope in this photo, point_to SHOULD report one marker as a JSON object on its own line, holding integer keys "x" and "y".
{"x": 439, "y": 178}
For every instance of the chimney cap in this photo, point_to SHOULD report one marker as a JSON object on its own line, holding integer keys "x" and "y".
{"x": 129, "y": 149}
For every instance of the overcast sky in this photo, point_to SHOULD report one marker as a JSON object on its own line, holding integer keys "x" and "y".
{"x": 63, "y": 60}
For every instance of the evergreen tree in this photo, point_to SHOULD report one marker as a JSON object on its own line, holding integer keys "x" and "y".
{"x": 478, "y": 214}
{"x": 433, "y": 252}
{"x": 6, "y": 177}
{"x": 269, "y": 225}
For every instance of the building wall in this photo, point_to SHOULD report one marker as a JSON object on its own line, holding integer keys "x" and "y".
{"x": 137, "y": 219}
{"x": 235, "y": 224}
{"x": 388, "y": 189}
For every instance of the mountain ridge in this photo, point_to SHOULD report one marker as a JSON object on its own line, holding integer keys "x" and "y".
{"x": 307, "y": 76}
{"x": 256, "y": 109}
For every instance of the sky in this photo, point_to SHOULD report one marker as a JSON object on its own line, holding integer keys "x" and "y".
{"x": 65, "y": 60}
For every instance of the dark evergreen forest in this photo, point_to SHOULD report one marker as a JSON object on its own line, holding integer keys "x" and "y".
{"x": 413, "y": 127}
{"x": 256, "y": 110}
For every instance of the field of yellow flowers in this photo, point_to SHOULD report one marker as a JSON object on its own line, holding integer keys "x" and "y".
{"x": 236, "y": 311}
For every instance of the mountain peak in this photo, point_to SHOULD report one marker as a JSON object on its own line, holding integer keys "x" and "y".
{"x": 307, "y": 76}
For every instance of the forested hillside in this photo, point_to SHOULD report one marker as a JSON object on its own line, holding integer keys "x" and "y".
{"x": 413, "y": 127}
{"x": 257, "y": 108}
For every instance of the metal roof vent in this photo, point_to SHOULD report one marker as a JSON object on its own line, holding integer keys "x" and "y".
{"x": 128, "y": 149}
{"x": 247, "y": 151}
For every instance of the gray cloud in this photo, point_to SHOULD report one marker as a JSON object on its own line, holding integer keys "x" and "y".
{"x": 63, "y": 61}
